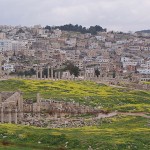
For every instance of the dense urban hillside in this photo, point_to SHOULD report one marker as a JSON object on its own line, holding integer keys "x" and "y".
{"x": 84, "y": 92}
{"x": 119, "y": 133}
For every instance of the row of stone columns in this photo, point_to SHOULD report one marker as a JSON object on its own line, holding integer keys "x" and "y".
{"x": 55, "y": 76}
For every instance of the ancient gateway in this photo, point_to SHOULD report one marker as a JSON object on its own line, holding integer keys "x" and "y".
{"x": 11, "y": 105}
{"x": 15, "y": 110}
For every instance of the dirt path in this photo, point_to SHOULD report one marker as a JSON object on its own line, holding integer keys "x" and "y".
{"x": 109, "y": 115}
{"x": 134, "y": 114}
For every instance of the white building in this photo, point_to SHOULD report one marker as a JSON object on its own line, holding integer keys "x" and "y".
{"x": 8, "y": 67}
{"x": 79, "y": 64}
{"x": 5, "y": 45}
{"x": 121, "y": 42}
{"x": 71, "y": 42}
{"x": 101, "y": 59}
{"x": 143, "y": 71}
{"x": 129, "y": 63}
{"x": 93, "y": 45}
{"x": 146, "y": 48}
{"x": 19, "y": 45}
{"x": 101, "y": 38}
{"x": 134, "y": 48}
{"x": 108, "y": 44}
{"x": 148, "y": 64}
{"x": 2, "y": 35}
{"x": 125, "y": 59}
{"x": 57, "y": 33}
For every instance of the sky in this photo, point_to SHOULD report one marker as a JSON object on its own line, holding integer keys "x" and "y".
{"x": 118, "y": 15}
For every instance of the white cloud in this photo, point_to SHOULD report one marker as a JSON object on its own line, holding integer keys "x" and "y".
{"x": 122, "y": 15}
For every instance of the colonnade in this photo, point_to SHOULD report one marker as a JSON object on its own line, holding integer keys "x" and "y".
{"x": 50, "y": 75}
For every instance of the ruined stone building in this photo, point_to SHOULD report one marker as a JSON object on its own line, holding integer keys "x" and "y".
{"x": 11, "y": 106}
{"x": 15, "y": 110}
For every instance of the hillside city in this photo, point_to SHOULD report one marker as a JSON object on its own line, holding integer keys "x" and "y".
{"x": 110, "y": 56}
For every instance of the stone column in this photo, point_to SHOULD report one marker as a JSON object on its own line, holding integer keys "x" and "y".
{"x": 94, "y": 76}
{"x": 0, "y": 97}
{"x": 52, "y": 73}
{"x": 84, "y": 75}
{"x": 90, "y": 75}
{"x": 48, "y": 72}
{"x": 16, "y": 116}
{"x": 2, "y": 114}
{"x": 72, "y": 77}
{"x": 38, "y": 98}
{"x": 37, "y": 73}
{"x": 41, "y": 73}
{"x": 59, "y": 75}
{"x": 55, "y": 75}
{"x": 87, "y": 76}
{"x": 20, "y": 106}
{"x": 38, "y": 110}
{"x": 38, "y": 104}
{"x": 9, "y": 115}
{"x": 99, "y": 77}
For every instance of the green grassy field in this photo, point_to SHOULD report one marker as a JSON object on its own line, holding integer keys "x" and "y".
{"x": 148, "y": 82}
{"x": 118, "y": 133}
{"x": 88, "y": 93}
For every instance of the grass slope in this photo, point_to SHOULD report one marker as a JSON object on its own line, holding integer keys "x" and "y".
{"x": 118, "y": 133}
{"x": 85, "y": 92}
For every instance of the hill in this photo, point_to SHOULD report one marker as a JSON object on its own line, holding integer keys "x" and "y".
{"x": 84, "y": 92}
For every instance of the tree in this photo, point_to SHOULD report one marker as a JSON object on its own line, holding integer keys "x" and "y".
{"x": 114, "y": 74}
{"x": 97, "y": 72}
{"x": 74, "y": 70}
{"x": 48, "y": 28}
{"x": 78, "y": 28}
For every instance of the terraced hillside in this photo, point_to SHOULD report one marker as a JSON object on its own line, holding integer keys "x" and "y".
{"x": 85, "y": 92}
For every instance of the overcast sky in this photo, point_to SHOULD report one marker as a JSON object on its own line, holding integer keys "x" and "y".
{"x": 119, "y": 15}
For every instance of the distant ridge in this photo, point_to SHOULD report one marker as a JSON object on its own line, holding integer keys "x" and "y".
{"x": 143, "y": 31}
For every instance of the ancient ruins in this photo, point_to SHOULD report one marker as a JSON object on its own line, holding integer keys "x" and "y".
{"x": 11, "y": 105}
{"x": 49, "y": 113}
